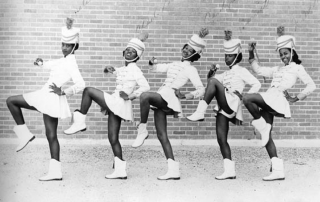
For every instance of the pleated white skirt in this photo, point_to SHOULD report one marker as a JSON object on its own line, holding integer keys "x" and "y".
{"x": 48, "y": 103}
{"x": 119, "y": 106}
{"x": 170, "y": 97}
{"x": 276, "y": 99}
{"x": 235, "y": 104}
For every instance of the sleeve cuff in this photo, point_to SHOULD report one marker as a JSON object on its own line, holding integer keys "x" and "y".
{"x": 251, "y": 60}
{"x": 301, "y": 96}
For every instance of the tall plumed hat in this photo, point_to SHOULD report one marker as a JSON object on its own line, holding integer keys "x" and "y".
{"x": 70, "y": 34}
{"x": 197, "y": 40}
{"x": 137, "y": 43}
{"x": 285, "y": 41}
{"x": 231, "y": 46}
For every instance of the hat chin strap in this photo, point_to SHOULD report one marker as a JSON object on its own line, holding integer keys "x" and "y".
{"x": 290, "y": 56}
{"x": 72, "y": 50}
{"x": 131, "y": 60}
{"x": 233, "y": 61}
{"x": 190, "y": 56}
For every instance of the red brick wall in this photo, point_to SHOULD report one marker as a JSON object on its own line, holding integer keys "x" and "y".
{"x": 31, "y": 29}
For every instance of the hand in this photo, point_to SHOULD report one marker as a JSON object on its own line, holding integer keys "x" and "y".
{"x": 289, "y": 98}
{"x": 179, "y": 94}
{"x": 189, "y": 96}
{"x": 153, "y": 61}
{"x": 132, "y": 96}
{"x": 38, "y": 62}
{"x": 212, "y": 71}
{"x": 123, "y": 95}
{"x": 238, "y": 94}
{"x": 252, "y": 45}
{"x": 56, "y": 90}
{"x": 109, "y": 69}
{"x": 251, "y": 49}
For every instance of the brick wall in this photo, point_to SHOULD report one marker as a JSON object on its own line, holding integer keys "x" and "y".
{"x": 31, "y": 29}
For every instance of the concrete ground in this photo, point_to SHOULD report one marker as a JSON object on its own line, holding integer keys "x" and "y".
{"x": 86, "y": 164}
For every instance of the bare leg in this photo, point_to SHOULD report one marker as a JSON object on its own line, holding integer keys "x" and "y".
{"x": 271, "y": 148}
{"x": 258, "y": 108}
{"x": 160, "y": 119}
{"x": 147, "y": 99}
{"x": 51, "y": 125}
{"x": 114, "y": 123}
{"x": 216, "y": 89}
{"x": 253, "y": 103}
{"x": 15, "y": 103}
{"x": 222, "y": 128}
{"x": 90, "y": 94}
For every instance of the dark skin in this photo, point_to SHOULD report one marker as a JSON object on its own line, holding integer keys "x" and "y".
{"x": 66, "y": 50}
{"x": 114, "y": 122}
{"x": 160, "y": 117}
{"x": 258, "y": 108}
{"x": 16, "y": 103}
{"x": 215, "y": 89}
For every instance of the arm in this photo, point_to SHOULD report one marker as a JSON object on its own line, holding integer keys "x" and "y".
{"x": 77, "y": 79}
{"x": 251, "y": 80}
{"x": 261, "y": 71}
{"x": 155, "y": 67}
{"x": 142, "y": 82}
{"x": 46, "y": 65}
{"x": 306, "y": 79}
{"x": 197, "y": 83}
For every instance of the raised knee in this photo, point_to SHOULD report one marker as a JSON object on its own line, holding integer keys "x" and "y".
{"x": 212, "y": 81}
{"x": 86, "y": 90}
{"x": 144, "y": 96}
{"x": 9, "y": 101}
{"x": 245, "y": 99}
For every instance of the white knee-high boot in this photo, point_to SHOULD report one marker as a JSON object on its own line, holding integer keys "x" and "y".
{"x": 24, "y": 136}
{"x": 119, "y": 170}
{"x": 277, "y": 170}
{"x": 142, "y": 135}
{"x": 54, "y": 171}
{"x": 229, "y": 170}
{"x": 263, "y": 128}
{"x": 79, "y": 123}
{"x": 173, "y": 172}
{"x": 198, "y": 115}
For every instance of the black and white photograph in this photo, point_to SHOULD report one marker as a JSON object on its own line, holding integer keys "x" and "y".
{"x": 159, "y": 100}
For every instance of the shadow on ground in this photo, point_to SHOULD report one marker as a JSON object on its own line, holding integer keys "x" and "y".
{"x": 84, "y": 168}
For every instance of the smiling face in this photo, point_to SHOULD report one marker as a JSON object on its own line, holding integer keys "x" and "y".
{"x": 187, "y": 51}
{"x": 285, "y": 55}
{"x": 229, "y": 58}
{"x": 130, "y": 53}
{"x": 66, "y": 48}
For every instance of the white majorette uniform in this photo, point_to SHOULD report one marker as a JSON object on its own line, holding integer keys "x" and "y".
{"x": 127, "y": 78}
{"x": 235, "y": 79}
{"x": 178, "y": 74}
{"x": 61, "y": 71}
{"x": 284, "y": 77}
